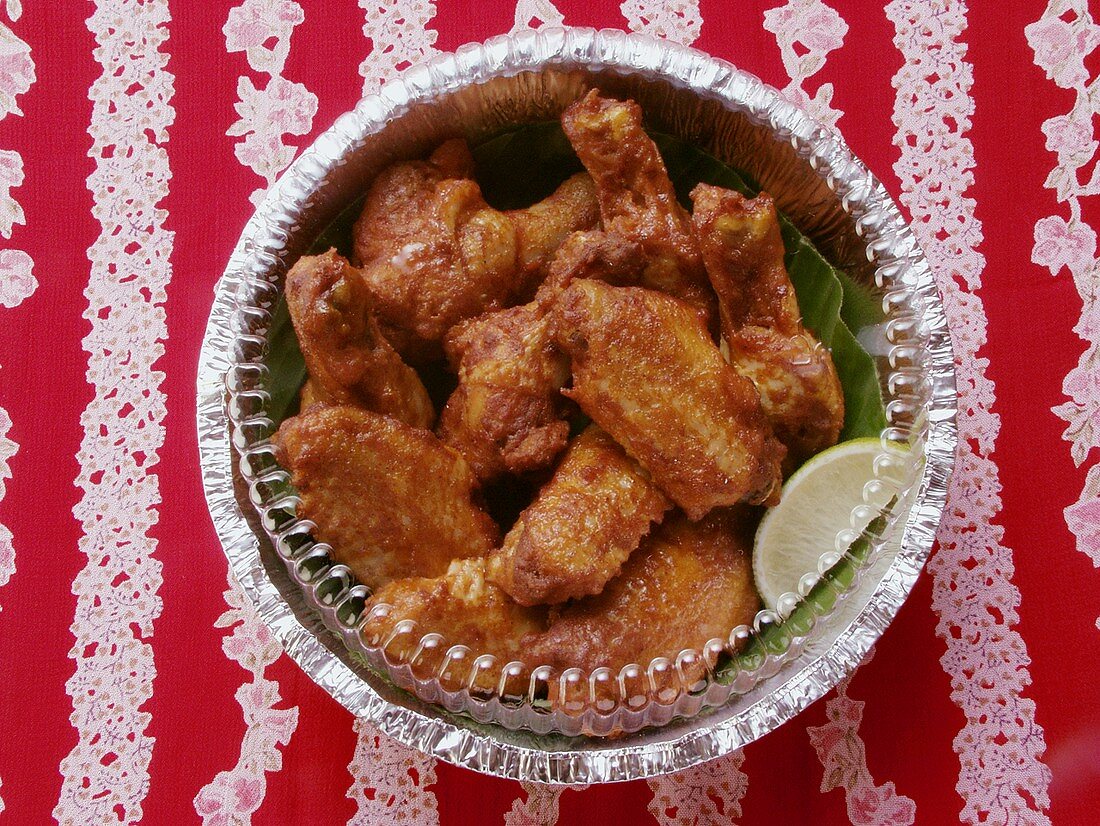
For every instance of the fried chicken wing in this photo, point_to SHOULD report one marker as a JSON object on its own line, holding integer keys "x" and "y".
{"x": 462, "y": 605}
{"x": 761, "y": 322}
{"x": 311, "y": 394}
{"x": 433, "y": 253}
{"x": 348, "y": 358}
{"x": 646, "y": 371}
{"x": 637, "y": 199}
{"x": 688, "y": 583}
{"x": 605, "y": 256}
{"x": 582, "y": 526}
{"x": 390, "y": 499}
{"x": 453, "y": 159}
{"x": 542, "y": 228}
{"x": 506, "y": 413}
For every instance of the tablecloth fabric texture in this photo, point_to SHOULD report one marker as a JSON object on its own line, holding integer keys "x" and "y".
{"x": 135, "y": 138}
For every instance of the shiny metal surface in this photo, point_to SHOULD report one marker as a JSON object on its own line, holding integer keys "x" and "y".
{"x": 311, "y": 606}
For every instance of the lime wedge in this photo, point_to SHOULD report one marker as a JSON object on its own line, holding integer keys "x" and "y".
{"x": 816, "y": 505}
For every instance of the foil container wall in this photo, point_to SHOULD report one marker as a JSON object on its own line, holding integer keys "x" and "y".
{"x": 664, "y": 720}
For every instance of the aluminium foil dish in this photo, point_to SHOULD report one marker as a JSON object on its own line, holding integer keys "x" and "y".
{"x": 316, "y": 608}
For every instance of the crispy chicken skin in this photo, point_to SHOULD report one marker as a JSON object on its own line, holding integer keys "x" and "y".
{"x": 646, "y": 371}
{"x": 348, "y": 358}
{"x": 311, "y": 394}
{"x": 543, "y": 227}
{"x": 390, "y": 499}
{"x": 688, "y": 583}
{"x": 462, "y": 605}
{"x": 433, "y": 253}
{"x": 604, "y": 256}
{"x": 506, "y": 415}
{"x": 761, "y": 322}
{"x": 582, "y": 526}
{"x": 637, "y": 199}
{"x": 453, "y": 159}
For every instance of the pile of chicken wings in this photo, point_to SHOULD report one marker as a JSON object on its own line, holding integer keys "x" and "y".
{"x": 644, "y": 370}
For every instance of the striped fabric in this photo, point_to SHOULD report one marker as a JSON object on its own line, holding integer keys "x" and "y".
{"x": 138, "y": 684}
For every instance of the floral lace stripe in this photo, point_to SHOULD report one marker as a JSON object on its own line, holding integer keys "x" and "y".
{"x": 677, "y": 20}
{"x": 1062, "y": 39}
{"x": 540, "y": 807}
{"x": 399, "y": 36}
{"x": 262, "y": 30}
{"x": 806, "y": 31}
{"x": 105, "y": 777}
{"x": 544, "y": 11}
{"x": 17, "y": 281}
{"x": 389, "y": 782}
{"x": 843, "y": 757}
{"x": 1002, "y": 778}
{"x": 233, "y": 796}
{"x": 710, "y": 792}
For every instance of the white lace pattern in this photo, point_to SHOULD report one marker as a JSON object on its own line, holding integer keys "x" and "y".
{"x": 1062, "y": 39}
{"x": 708, "y": 793}
{"x": 106, "y": 776}
{"x": 843, "y": 757}
{"x": 528, "y": 11}
{"x": 232, "y": 797}
{"x": 677, "y": 20}
{"x": 806, "y": 31}
{"x": 1003, "y": 779}
{"x": 389, "y": 782}
{"x": 399, "y": 35}
{"x": 261, "y": 29}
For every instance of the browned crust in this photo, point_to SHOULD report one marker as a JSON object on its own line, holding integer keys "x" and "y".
{"x": 637, "y": 199}
{"x": 645, "y": 369}
{"x": 348, "y": 358}
{"x": 761, "y": 323}
{"x": 688, "y": 583}
{"x": 582, "y": 526}
{"x": 390, "y": 499}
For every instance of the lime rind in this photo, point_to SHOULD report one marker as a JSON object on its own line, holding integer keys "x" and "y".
{"x": 794, "y": 535}
{"x": 833, "y": 585}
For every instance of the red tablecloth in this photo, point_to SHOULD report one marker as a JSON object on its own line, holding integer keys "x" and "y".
{"x": 137, "y": 686}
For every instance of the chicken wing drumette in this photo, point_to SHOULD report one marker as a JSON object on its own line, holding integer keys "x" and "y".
{"x": 542, "y": 229}
{"x": 646, "y": 371}
{"x": 390, "y": 499}
{"x": 582, "y": 526}
{"x": 506, "y": 415}
{"x": 348, "y": 358}
{"x": 761, "y": 322}
{"x": 433, "y": 253}
{"x": 637, "y": 199}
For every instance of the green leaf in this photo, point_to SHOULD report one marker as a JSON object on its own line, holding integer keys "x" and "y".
{"x": 822, "y": 298}
{"x": 285, "y": 365}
